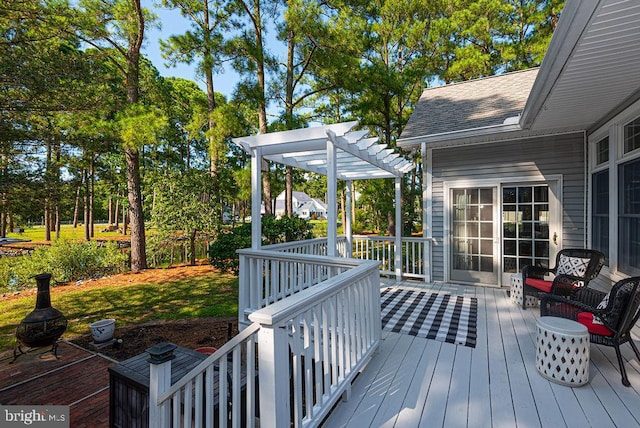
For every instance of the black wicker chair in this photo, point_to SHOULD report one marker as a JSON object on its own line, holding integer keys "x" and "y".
{"x": 574, "y": 268}
{"x": 609, "y": 321}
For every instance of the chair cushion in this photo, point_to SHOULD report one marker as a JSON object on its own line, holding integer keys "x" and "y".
{"x": 540, "y": 284}
{"x": 574, "y": 266}
{"x": 593, "y": 324}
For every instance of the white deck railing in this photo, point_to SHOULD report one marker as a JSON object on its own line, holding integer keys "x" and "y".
{"x": 194, "y": 400}
{"x": 313, "y": 247}
{"x": 267, "y": 277}
{"x": 382, "y": 249}
{"x": 315, "y": 321}
{"x": 319, "y": 339}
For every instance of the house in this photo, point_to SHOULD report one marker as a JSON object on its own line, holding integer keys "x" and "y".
{"x": 521, "y": 165}
{"x": 304, "y": 206}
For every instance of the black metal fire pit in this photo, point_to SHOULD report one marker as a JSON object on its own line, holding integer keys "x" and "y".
{"x": 44, "y": 325}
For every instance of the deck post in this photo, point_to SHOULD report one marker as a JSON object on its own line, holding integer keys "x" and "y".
{"x": 273, "y": 366}
{"x": 398, "y": 241}
{"x": 332, "y": 189}
{"x": 256, "y": 197}
{"x": 347, "y": 227}
{"x": 160, "y": 356}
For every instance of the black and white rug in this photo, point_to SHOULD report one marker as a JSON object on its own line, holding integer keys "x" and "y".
{"x": 436, "y": 316}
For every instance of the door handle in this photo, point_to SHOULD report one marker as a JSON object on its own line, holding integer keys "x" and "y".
{"x": 555, "y": 238}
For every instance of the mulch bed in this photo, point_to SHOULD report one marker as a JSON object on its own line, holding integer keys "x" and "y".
{"x": 190, "y": 333}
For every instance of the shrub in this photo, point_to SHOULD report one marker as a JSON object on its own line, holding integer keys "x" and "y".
{"x": 65, "y": 260}
{"x": 222, "y": 252}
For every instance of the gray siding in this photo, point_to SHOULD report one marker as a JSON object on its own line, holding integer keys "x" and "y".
{"x": 531, "y": 158}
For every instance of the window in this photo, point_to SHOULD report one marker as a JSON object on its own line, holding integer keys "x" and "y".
{"x": 602, "y": 151}
{"x": 629, "y": 216}
{"x": 525, "y": 227}
{"x": 632, "y": 136}
{"x": 600, "y": 212}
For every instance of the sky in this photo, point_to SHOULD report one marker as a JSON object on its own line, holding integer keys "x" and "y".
{"x": 174, "y": 23}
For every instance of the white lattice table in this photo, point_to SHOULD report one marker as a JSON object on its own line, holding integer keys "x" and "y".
{"x": 516, "y": 292}
{"x": 562, "y": 351}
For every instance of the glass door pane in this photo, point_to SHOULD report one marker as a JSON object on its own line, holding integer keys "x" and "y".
{"x": 472, "y": 235}
{"x": 525, "y": 227}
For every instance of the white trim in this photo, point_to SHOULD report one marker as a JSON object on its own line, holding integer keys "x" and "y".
{"x": 256, "y": 198}
{"x": 397, "y": 242}
{"x": 332, "y": 228}
{"x": 427, "y": 208}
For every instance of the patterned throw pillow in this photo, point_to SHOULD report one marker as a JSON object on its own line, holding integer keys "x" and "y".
{"x": 602, "y": 305}
{"x": 574, "y": 266}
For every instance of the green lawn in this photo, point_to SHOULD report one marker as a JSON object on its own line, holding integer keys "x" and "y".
{"x": 210, "y": 295}
{"x": 67, "y": 231}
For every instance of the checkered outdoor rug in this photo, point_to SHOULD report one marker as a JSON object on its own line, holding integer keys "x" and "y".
{"x": 436, "y": 316}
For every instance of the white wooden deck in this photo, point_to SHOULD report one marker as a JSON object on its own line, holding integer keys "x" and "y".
{"x": 415, "y": 382}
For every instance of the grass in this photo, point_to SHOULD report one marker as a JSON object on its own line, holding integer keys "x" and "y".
{"x": 210, "y": 295}
{"x": 67, "y": 231}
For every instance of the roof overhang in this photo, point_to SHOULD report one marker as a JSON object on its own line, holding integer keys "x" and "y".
{"x": 590, "y": 73}
{"x": 357, "y": 156}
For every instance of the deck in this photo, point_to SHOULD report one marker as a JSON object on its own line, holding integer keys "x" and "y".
{"x": 414, "y": 382}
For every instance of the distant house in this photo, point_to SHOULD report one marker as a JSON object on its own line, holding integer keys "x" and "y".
{"x": 304, "y": 206}
{"x": 521, "y": 165}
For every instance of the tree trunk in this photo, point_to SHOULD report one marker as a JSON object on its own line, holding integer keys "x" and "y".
{"x": 342, "y": 208}
{"x": 47, "y": 198}
{"x": 136, "y": 215}
{"x": 132, "y": 155}
{"x": 289, "y": 191}
{"x": 110, "y": 221}
{"x": 85, "y": 200}
{"x": 262, "y": 103}
{"x": 288, "y": 108}
{"x": 92, "y": 182}
{"x": 58, "y": 221}
{"x": 117, "y": 211}
{"x": 125, "y": 221}
{"x": 192, "y": 242}
{"x": 211, "y": 100}
{"x": 76, "y": 207}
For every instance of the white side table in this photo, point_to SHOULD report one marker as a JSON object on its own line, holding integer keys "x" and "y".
{"x": 516, "y": 292}
{"x": 562, "y": 351}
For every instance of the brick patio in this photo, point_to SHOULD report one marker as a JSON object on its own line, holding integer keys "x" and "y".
{"x": 77, "y": 378}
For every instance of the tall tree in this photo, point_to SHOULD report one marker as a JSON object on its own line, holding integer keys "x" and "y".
{"x": 208, "y": 21}
{"x": 116, "y": 28}
{"x": 250, "y": 60}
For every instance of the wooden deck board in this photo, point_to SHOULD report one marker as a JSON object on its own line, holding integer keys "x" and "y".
{"x": 495, "y": 384}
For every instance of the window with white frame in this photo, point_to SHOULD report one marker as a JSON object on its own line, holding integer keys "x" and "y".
{"x": 629, "y": 217}
{"x": 632, "y": 136}
{"x": 600, "y": 212}
{"x": 600, "y": 198}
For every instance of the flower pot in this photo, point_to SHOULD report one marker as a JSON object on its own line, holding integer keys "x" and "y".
{"x": 102, "y": 331}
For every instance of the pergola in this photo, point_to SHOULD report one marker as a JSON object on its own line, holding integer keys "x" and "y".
{"x": 335, "y": 151}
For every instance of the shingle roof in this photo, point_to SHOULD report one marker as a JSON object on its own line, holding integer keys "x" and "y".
{"x": 469, "y": 105}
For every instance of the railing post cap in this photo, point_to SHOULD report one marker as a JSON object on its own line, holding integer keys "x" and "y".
{"x": 161, "y": 353}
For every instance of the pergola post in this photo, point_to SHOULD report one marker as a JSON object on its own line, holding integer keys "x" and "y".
{"x": 427, "y": 180}
{"x": 347, "y": 226}
{"x": 332, "y": 189}
{"x": 256, "y": 198}
{"x": 398, "y": 240}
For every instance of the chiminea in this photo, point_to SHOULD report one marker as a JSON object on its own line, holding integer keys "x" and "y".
{"x": 45, "y": 324}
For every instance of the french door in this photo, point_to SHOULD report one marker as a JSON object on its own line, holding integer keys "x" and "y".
{"x": 527, "y": 224}
{"x": 473, "y": 235}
